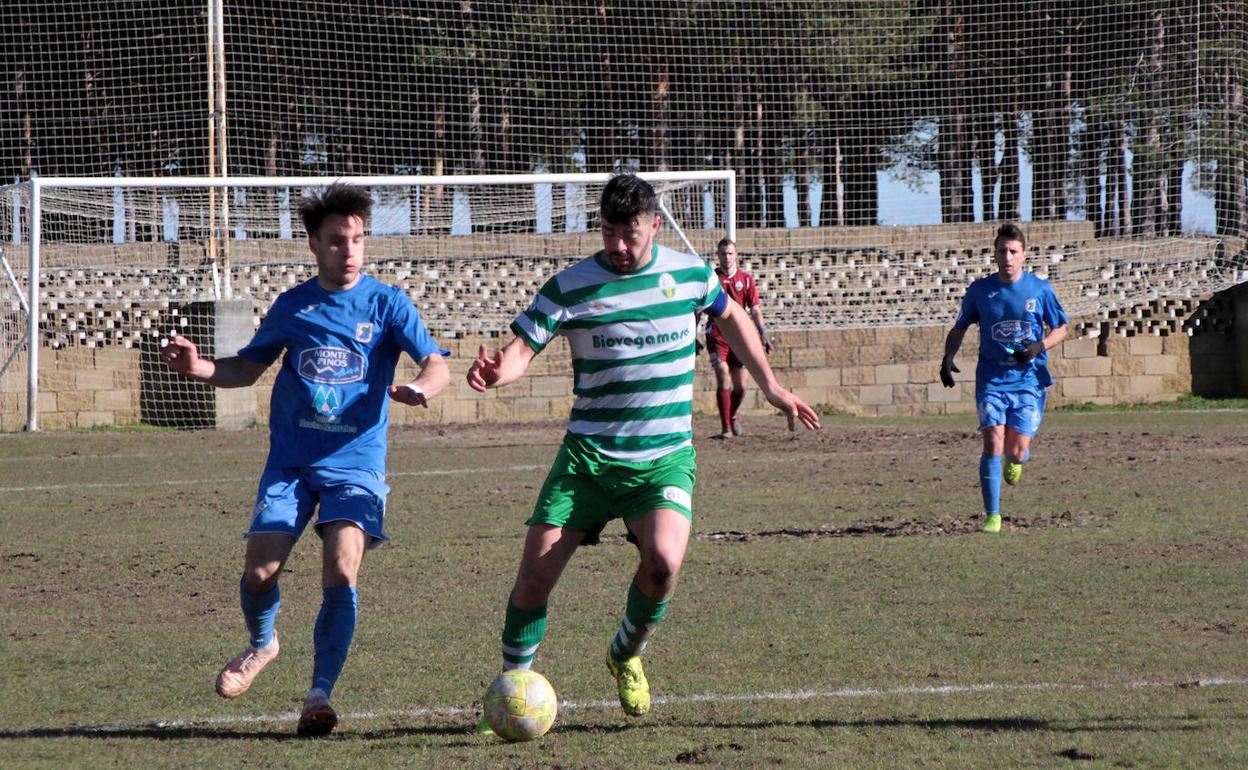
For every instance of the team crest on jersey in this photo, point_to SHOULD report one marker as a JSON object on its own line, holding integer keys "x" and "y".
{"x": 1030, "y": 304}
{"x": 667, "y": 284}
{"x": 326, "y": 401}
{"x": 1009, "y": 332}
{"x": 331, "y": 366}
{"x": 737, "y": 285}
{"x": 364, "y": 332}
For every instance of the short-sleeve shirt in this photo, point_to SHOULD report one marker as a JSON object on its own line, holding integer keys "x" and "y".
{"x": 1009, "y": 316}
{"x": 741, "y": 288}
{"x": 632, "y": 341}
{"x": 330, "y": 407}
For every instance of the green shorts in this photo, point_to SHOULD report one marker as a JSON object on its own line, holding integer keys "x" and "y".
{"x": 584, "y": 489}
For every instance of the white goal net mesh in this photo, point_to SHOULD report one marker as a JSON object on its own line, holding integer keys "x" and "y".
{"x": 121, "y": 268}
{"x": 1128, "y": 115}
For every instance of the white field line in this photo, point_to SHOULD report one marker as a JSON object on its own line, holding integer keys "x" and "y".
{"x": 609, "y": 705}
{"x": 253, "y": 479}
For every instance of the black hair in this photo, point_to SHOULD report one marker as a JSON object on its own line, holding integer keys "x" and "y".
{"x": 627, "y": 197}
{"x": 1010, "y": 232}
{"x": 339, "y": 198}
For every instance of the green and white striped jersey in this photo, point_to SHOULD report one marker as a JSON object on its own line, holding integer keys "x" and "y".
{"x": 632, "y": 339}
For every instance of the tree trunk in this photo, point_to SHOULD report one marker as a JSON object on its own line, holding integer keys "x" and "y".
{"x": 860, "y": 162}
{"x": 956, "y": 201}
{"x": 661, "y": 115}
{"x": 1010, "y": 182}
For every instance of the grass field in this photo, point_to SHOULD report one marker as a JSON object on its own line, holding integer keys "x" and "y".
{"x": 838, "y": 607}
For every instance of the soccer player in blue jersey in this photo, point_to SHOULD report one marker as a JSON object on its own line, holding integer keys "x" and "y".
{"x": 1020, "y": 319}
{"x": 339, "y": 335}
{"x": 628, "y": 313}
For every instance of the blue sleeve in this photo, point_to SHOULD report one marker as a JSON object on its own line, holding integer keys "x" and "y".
{"x": 1054, "y": 314}
{"x": 409, "y": 331}
{"x": 269, "y": 341}
{"x": 718, "y": 305}
{"x": 970, "y": 311}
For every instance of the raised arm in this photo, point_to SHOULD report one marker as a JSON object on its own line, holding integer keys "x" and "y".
{"x": 738, "y": 329}
{"x": 183, "y": 357}
{"x": 505, "y": 366}
{"x": 433, "y": 377}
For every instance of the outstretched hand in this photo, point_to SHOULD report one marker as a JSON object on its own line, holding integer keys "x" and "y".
{"x": 1028, "y": 351}
{"x": 795, "y": 410}
{"x": 484, "y": 370}
{"x": 947, "y": 368}
{"x": 180, "y": 354}
{"x": 409, "y": 394}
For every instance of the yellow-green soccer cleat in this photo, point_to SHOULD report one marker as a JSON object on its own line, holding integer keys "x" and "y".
{"x": 992, "y": 522}
{"x": 1012, "y": 472}
{"x": 483, "y": 726}
{"x": 630, "y": 679}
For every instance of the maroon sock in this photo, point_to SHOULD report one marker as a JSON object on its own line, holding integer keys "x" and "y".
{"x": 737, "y": 397}
{"x": 723, "y": 398}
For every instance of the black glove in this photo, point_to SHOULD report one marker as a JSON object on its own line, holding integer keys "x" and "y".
{"x": 947, "y": 368}
{"x": 1028, "y": 351}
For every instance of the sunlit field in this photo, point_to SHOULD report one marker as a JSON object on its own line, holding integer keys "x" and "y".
{"x": 838, "y": 605}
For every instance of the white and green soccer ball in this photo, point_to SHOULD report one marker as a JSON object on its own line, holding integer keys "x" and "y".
{"x": 520, "y": 705}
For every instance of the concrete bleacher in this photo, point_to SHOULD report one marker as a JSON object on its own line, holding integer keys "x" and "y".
{"x": 1124, "y": 288}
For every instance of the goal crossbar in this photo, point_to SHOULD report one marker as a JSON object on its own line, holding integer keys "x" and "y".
{"x": 36, "y": 187}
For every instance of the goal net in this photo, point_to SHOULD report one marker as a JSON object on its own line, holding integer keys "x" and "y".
{"x": 836, "y": 113}
{"x": 122, "y": 264}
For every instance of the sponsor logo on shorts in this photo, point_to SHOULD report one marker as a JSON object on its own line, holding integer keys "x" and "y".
{"x": 331, "y": 366}
{"x": 678, "y": 496}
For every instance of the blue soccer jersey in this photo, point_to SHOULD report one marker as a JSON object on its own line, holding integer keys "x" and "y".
{"x": 1009, "y": 316}
{"x": 330, "y": 407}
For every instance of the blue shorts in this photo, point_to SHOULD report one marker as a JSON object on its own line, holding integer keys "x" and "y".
{"x": 287, "y": 497}
{"x": 1020, "y": 411}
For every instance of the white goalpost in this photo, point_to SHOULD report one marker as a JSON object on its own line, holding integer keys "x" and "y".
{"x": 98, "y": 271}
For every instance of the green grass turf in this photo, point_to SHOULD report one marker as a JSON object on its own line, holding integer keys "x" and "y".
{"x": 837, "y": 608}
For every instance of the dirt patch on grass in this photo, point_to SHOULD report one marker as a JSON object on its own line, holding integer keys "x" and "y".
{"x": 891, "y": 527}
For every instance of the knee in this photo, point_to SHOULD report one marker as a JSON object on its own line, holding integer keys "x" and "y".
{"x": 659, "y": 571}
{"x": 532, "y": 589}
{"x": 260, "y": 579}
{"x": 339, "y": 572}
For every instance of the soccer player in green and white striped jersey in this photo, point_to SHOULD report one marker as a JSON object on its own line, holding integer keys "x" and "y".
{"x": 628, "y": 313}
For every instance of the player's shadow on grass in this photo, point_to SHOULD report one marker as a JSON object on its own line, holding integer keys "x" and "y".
{"x": 158, "y": 733}
{"x": 990, "y": 724}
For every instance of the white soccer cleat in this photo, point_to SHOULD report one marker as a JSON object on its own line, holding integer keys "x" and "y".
{"x": 237, "y": 676}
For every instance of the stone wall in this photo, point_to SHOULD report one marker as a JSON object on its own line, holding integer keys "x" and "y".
{"x": 873, "y": 372}
{"x": 102, "y": 327}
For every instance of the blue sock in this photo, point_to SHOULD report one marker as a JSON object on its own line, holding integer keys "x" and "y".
{"x": 990, "y": 482}
{"x": 335, "y": 626}
{"x": 260, "y": 612}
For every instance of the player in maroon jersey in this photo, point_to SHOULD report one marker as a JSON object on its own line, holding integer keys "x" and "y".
{"x": 740, "y": 286}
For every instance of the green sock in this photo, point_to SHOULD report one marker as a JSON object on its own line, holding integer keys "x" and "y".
{"x": 522, "y": 634}
{"x": 641, "y": 617}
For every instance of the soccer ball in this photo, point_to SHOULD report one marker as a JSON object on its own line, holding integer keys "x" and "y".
{"x": 520, "y": 705}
